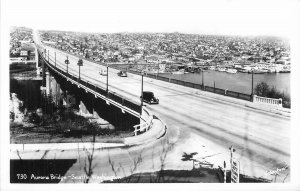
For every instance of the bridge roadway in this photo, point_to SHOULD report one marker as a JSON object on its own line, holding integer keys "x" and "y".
{"x": 196, "y": 123}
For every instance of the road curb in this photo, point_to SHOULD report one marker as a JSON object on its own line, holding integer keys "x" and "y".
{"x": 272, "y": 109}
{"x": 154, "y": 133}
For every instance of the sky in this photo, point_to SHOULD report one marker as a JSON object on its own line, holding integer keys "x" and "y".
{"x": 228, "y": 17}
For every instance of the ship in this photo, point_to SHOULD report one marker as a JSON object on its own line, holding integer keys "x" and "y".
{"x": 259, "y": 71}
{"x": 179, "y": 72}
{"x": 222, "y": 69}
{"x": 231, "y": 71}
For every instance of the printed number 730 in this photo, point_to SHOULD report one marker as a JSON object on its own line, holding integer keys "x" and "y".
{"x": 22, "y": 176}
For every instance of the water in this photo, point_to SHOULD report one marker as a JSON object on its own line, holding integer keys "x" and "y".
{"x": 239, "y": 82}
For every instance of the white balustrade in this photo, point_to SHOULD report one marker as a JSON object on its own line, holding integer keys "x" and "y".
{"x": 144, "y": 126}
{"x": 267, "y": 101}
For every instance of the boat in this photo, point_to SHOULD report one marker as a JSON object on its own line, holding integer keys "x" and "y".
{"x": 271, "y": 70}
{"x": 222, "y": 69}
{"x": 179, "y": 72}
{"x": 259, "y": 71}
{"x": 285, "y": 71}
{"x": 231, "y": 71}
{"x": 245, "y": 71}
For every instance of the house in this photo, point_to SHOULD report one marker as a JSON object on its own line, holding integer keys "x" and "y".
{"x": 152, "y": 59}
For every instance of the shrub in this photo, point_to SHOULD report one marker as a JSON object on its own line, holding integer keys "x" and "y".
{"x": 264, "y": 90}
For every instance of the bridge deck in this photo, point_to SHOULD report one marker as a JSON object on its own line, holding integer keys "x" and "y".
{"x": 262, "y": 139}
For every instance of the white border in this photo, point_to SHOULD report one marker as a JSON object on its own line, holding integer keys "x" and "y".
{"x": 295, "y": 90}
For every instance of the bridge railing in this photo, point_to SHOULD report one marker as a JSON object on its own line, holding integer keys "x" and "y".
{"x": 269, "y": 101}
{"x": 109, "y": 95}
{"x": 146, "y": 124}
{"x": 220, "y": 91}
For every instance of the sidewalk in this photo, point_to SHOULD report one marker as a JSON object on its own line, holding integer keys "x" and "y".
{"x": 263, "y": 107}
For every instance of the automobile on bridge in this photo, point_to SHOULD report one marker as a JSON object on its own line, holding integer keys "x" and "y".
{"x": 149, "y": 97}
{"x": 122, "y": 73}
{"x": 103, "y": 72}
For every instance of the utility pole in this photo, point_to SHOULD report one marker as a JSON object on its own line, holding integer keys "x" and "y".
{"x": 252, "y": 87}
{"x": 107, "y": 79}
{"x": 142, "y": 99}
{"x": 202, "y": 79}
{"x": 157, "y": 71}
{"x": 67, "y": 62}
{"x": 214, "y": 85}
{"x": 80, "y": 63}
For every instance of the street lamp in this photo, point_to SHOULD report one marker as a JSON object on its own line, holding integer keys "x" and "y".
{"x": 107, "y": 78}
{"x": 202, "y": 78}
{"x": 252, "y": 87}
{"x": 142, "y": 98}
{"x": 157, "y": 70}
{"x": 79, "y": 63}
{"x": 67, "y": 62}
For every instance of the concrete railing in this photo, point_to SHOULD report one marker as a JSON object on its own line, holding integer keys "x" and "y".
{"x": 268, "y": 101}
{"x": 150, "y": 130}
{"x": 124, "y": 105}
{"x": 145, "y": 124}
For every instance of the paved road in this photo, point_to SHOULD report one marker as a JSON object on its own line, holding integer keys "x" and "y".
{"x": 196, "y": 123}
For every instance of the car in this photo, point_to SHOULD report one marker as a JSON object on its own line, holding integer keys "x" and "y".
{"x": 103, "y": 72}
{"x": 122, "y": 73}
{"x": 149, "y": 97}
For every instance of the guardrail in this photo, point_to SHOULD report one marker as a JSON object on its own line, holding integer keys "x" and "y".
{"x": 220, "y": 91}
{"x": 224, "y": 92}
{"x": 269, "y": 101}
{"x": 111, "y": 97}
{"x": 144, "y": 126}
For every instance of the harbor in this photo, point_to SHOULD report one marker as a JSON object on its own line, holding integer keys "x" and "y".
{"x": 240, "y": 82}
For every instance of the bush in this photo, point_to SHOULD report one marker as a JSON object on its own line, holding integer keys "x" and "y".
{"x": 263, "y": 89}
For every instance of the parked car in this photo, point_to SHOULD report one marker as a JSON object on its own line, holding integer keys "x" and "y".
{"x": 149, "y": 97}
{"x": 122, "y": 74}
{"x": 103, "y": 72}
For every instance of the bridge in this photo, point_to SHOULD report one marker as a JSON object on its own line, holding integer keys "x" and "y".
{"x": 197, "y": 121}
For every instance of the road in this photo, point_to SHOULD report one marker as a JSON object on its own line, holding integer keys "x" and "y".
{"x": 196, "y": 123}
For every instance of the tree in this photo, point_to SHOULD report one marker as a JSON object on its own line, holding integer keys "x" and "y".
{"x": 262, "y": 89}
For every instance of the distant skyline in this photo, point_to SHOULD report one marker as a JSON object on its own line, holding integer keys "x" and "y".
{"x": 215, "y": 17}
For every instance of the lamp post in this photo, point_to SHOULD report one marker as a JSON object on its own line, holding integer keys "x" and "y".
{"x": 214, "y": 86}
{"x": 67, "y": 62}
{"x": 142, "y": 98}
{"x": 55, "y": 58}
{"x": 157, "y": 70}
{"x": 252, "y": 87}
{"x": 107, "y": 78}
{"x": 79, "y": 63}
{"x": 202, "y": 78}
